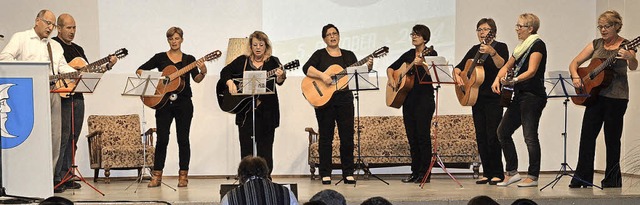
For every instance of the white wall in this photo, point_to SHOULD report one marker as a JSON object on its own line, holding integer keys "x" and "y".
{"x": 140, "y": 26}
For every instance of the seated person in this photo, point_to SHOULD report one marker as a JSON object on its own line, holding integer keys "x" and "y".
{"x": 256, "y": 188}
{"x": 329, "y": 197}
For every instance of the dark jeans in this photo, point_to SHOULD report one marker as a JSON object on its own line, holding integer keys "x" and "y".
{"x": 525, "y": 110}
{"x": 328, "y": 116}
{"x": 487, "y": 115}
{"x": 264, "y": 138}
{"x": 417, "y": 113}
{"x": 182, "y": 111}
{"x": 69, "y": 137}
{"x": 610, "y": 112}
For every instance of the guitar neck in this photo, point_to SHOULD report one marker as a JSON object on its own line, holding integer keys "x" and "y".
{"x": 74, "y": 74}
{"x": 362, "y": 61}
{"x": 185, "y": 69}
{"x": 93, "y": 67}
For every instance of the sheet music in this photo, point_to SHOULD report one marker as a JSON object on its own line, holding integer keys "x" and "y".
{"x": 88, "y": 82}
{"x": 560, "y": 84}
{"x": 254, "y": 82}
{"x": 363, "y": 76}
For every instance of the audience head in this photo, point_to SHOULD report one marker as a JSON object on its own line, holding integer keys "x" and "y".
{"x": 377, "y": 200}
{"x": 314, "y": 203}
{"x": 329, "y": 197}
{"x": 251, "y": 166}
{"x": 56, "y": 200}
{"x": 482, "y": 200}
{"x": 524, "y": 202}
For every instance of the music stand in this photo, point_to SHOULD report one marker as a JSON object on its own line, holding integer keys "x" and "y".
{"x": 440, "y": 72}
{"x": 359, "y": 78}
{"x": 144, "y": 85}
{"x": 254, "y": 83}
{"x": 565, "y": 90}
{"x": 85, "y": 83}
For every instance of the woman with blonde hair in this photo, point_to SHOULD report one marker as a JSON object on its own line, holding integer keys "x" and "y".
{"x": 267, "y": 110}
{"x": 609, "y": 106}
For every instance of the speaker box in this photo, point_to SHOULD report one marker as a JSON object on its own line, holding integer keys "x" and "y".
{"x": 224, "y": 188}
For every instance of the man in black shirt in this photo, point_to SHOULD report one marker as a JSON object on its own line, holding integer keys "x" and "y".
{"x": 70, "y": 132}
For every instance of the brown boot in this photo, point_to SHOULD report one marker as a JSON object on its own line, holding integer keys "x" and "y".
{"x": 156, "y": 178}
{"x": 182, "y": 178}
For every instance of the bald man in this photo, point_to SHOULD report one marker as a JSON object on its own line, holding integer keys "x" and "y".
{"x": 71, "y": 125}
{"x": 34, "y": 45}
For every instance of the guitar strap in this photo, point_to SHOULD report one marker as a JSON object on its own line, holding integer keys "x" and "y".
{"x": 51, "y": 58}
{"x": 524, "y": 58}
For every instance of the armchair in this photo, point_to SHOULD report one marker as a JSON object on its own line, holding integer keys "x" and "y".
{"x": 115, "y": 142}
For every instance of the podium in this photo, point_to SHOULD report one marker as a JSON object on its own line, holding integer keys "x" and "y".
{"x": 441, "y": 73}
{"x": 143, "y": 86}
{"x": 359, "y": 78}
{"x": 562, "y": 87}
{"x": 26, "y": 102}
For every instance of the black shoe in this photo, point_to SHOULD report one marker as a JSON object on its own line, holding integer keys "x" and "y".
{"x": 326, "y": 180}
{"x": 72, "y": 185}
{"x": 615, "y": 185}
{"x": 349, "y": 180}
{"x": 484, "y": 180}
{"x": 573, "y": 186}
{"x": 410, "y": 178}
{"x": 59, "y": 189}
{"x": 495, "y": 180}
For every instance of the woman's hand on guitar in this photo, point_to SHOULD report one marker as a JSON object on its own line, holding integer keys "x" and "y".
{"x": 484, "y": 48}
{"x": 370, "y": 63}
{"x": 418, "y": 60}
{"x": 327, "y": 79}
{"x": 232, "y": 87}
{"x": 458, "y": 79}
{"x": 495, "y": 87}
{"x": 577, "y": 82}
{"x": 139, "y": 72}
{"x": 624, "y": 54}
{"x": 391, "y": 82}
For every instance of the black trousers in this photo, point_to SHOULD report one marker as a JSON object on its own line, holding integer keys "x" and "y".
{"x": 610, "y": 112}
{"x": 525, "y": 110}
{"x": 264, "y": 138}
{"x": 417, "y": 113}
{"x": 341, "y": 113}
{"x": 182, "y": 111}
{"x": 487, "y": 115}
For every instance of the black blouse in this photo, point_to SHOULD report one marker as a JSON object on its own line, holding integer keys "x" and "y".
{"x": 269, "y": 106}
{"x": 161, "y": 61}
{"x": 321, "y": 60}
{"x": 535, "y": 84}
{"x": 418, "y": 89}
{"x": 490, "y": 69}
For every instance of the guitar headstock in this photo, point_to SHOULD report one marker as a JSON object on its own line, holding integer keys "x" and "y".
{"x": 488, "y": 38}
{"x": 633, "y": 43}
{"x": 213, "y": 55}
{"x": 121, "y": 53}
{"x": 427, "y": 50}
{"x": 380, "y": 52}
{"x": 291, "y": 65}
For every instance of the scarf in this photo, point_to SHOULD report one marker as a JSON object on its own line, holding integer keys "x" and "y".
{"x": 524, "y": 45}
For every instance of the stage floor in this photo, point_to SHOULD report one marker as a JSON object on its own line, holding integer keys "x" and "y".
{"x": 441, "y": 190}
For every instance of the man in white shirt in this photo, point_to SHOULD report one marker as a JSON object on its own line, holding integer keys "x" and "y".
{"x": 34, "y": 45}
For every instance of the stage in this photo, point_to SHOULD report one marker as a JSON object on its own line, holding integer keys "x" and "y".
{"x": 441, "y": 190}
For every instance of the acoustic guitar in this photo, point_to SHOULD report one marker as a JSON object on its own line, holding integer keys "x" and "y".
{"x": 596, "y": 76}
{"x": 318, "y": 93}
{"x": 235, "y": 103}
{"x": 506, "y": 91}
{"x": 172, "y": 81}
{"x": 404, "y": 79}
{"x": 472, "y": 76}
{"x": 64, "y": 83}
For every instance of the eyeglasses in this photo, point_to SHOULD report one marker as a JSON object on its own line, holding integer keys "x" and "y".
{"x": 49, "y": 23}
{"x": 333, "y": 34}
{"x": 413, "y": 34}
{"x": 608, "y": 26}
{"x": 483, "y": 29}
{"x": 518, "y": 26}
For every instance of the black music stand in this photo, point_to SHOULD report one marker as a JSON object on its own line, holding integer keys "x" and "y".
{"x": 565, "y": 90}
{"x": 144, "y": 85}
{"x": 440, "y": 72}
{"x": 359, "y": 79}
{"x": 86, "y": 83}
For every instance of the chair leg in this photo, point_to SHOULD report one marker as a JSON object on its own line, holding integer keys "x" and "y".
{"x": 95, "y": 175}
{"x": 107, "y": 173}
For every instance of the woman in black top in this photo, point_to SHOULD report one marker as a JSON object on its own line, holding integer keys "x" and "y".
{"x": 267, "y": 106}
{"x": 339, "y": 110}
{"x": 487, "y": 112}
{"x": 179, "y": 107}
{"x": 419, "y": 105}
{"x": 529, "y": 62}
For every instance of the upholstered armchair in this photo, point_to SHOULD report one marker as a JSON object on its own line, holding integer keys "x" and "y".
{"x": 115, "y": 142}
